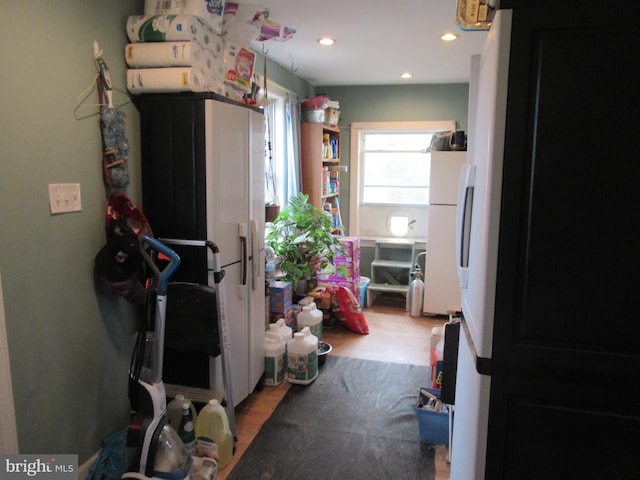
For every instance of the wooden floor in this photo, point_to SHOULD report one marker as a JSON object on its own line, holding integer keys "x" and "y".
{"x": 394, "y": 336}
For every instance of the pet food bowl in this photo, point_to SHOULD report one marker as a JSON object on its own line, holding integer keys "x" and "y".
{"x": 323, "y": 352}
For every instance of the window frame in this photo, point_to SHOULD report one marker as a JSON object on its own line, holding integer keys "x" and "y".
{"x": 276, "y": 118}
{"x": 356, "y": 157}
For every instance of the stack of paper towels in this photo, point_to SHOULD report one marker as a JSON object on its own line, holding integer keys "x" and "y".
{"x": 177, "y": 46}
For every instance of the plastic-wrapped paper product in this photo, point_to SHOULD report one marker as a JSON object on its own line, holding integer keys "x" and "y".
{"x": 167, "y": 54}
{"x": 166, "y": 80}
{"x": 171, "y": 28}
{"x": 239, "y": 64}
{"x": 242, "y": 22}
{"x": 208, "y": 10}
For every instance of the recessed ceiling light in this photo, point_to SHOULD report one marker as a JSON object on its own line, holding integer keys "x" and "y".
{"x": 448, "y": 37}
{"x": 326, "y": 41}
{"x": 406, "y": 75}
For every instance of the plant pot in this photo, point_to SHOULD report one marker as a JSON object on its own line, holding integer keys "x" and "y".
{"x": 271, "y": 212}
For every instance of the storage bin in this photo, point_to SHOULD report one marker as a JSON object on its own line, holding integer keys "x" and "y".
{"x": 331, "y": 116}
{"x": 364, "y": 282}
{"x": 433, "y": 426}
{"x": 313, "y": 116}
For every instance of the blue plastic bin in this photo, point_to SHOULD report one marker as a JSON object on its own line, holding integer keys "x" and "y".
{"x": 432, "y": 426}
{"x": 364, "y": 282}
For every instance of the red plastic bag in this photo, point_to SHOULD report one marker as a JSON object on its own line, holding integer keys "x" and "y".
{"x": 120, "y": 206}
{"x": 350, "y": 309}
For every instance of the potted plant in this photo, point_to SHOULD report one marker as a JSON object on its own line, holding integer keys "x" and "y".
{"x": 301, "y": 237}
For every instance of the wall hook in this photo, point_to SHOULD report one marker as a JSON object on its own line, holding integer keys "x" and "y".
{"x": 293, "y": 69}
{"x": 264, "y": 52}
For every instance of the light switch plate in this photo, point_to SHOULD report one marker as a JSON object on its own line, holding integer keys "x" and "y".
{"x": 64, "y": 198}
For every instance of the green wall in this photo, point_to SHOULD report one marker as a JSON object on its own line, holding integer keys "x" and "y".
{"x": 69, "y": 349}
{"x": 389, "y": 103}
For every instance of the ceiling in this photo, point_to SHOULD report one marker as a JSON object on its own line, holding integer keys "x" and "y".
{"x": 376, "y": 41}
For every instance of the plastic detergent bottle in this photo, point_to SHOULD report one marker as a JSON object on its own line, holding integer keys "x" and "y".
{"x": 274, "y": 348}
{"x": 302, "y": 353}
{"x": 310, "y": 317}
{"x": 285, "y": 331}
{"x": 174, "y": 410}
{"x": 281, "y": 328}
{"x": 213, "y": 435}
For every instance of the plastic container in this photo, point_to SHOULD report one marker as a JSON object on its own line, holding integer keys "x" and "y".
{"x": 433, "y": 426}
{"x": 274, "y": 355}
{"x": 174, "y": 410}
{"x": 364, "y": 283}
{"x": 285, "y": 331}
{"x": 302, "y": 353}
{"x": 313, "y": 116}
{"x": 280, "y": 327}
{"x": 331, "y": 116}
{"x": 437, "y": 358}
{"x": 186, "y": 430}
{"x": 310, "y": 317}
{"x": 213, "y": 435}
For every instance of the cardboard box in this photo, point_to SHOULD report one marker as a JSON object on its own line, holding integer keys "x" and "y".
{"x": 289, "y": 317}
{"x": 281, "y": 294}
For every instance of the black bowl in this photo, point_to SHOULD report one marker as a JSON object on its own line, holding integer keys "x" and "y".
{"x": 323, "y": 351}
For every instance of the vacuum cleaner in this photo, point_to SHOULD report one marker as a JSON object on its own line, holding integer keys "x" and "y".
{"x": 154, "y": 449}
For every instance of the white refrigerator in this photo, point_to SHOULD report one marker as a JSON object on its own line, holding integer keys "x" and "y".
{"x": 441, "y": 287}
{"x": 477, "y": 230}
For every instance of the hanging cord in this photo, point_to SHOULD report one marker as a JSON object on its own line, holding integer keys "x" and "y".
{"x": 270, "y": 173}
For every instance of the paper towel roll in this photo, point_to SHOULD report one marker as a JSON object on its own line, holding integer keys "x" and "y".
{"x": 166, "y": 80}
{"x": 208, "y": 10}
{"x": 170, "y": 54}
{"x": 172, "y": 28}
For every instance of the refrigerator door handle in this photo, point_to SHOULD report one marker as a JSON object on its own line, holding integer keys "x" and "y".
{"x": 255, "y": 256}
{"x": 463, "y": 221}
{"x": 243, "y": 233}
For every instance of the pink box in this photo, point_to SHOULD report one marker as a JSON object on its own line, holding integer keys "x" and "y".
{"x": 352, "y": 249}
{"x": 353, "y": 285}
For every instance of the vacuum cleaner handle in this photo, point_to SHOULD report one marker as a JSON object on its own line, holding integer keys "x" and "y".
{"x": 168, "y": 271}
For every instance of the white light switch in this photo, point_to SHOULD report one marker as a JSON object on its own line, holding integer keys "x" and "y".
{"x": 64, "y": 197}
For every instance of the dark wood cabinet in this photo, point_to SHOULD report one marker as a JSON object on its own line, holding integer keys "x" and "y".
{"x": 565, "y": 395}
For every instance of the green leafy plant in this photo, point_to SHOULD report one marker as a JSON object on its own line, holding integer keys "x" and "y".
{"x": 301, "y": 237}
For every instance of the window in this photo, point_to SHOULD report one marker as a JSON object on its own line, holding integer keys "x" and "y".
{"x": 395, "y": 167}
{"x": 275, "y": 143}
{"x": 389, "y": 184}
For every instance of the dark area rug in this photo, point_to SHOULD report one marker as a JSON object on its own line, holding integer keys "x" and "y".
{"x": 355, "y": 421}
